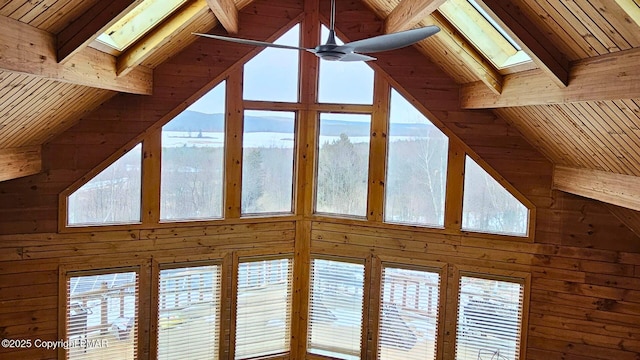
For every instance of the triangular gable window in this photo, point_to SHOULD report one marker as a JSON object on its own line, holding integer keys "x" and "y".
{"x": 272, "y": 75}
{"x": 344, "y": 82}
{"x": 488, "y": 207}
{"x": 111, "y": 197}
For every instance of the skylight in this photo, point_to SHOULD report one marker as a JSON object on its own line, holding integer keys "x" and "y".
{"x": 138, "y": 22}
{"x": 494, "y": 24}
{"x": 484, "y": 33}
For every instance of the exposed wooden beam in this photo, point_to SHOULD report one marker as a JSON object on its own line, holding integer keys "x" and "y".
{"x": 607, "y": 77}
{"x": 409, "y": 13}
{"x": 468, "y": 56}
{"x": 610, "y": 188}
{"x": 531, "y": 39}
{"x": 174, "y": 25}
{"x": 19, "y": 162}
{"x": 226, "y": 12}
{"x": 80, "y": 33}
{"x": 26, "y": 49}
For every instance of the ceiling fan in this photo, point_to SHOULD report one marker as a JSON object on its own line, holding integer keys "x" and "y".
{"x": 352, "y": 51}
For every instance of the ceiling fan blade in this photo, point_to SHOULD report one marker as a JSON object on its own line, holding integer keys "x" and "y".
{"x": 389, "y": 41}
{"x": 253, "y": 42}
{"x": 356, "y": 57}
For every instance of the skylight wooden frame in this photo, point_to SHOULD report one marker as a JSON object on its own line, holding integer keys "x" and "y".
{"x": 482, "y": 34}
{"x": 145, "y": 12}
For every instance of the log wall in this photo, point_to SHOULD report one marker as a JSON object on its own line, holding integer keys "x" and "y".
{"x": 584, "y": 263}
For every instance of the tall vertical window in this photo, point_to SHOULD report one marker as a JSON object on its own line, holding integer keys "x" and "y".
{"x": 488, "y": 207}
{"x": 335, "y": 313}
{"x": 343, "y": 163}
{"x": 272, "y": 75}
{"x": 344, "y": 82}
{"x": 489, "y": 319}
{"x": 102, "y": 315}
{"x": 263, "y": 310}
{"x": 416, "y": 167}
{"x": 193, "y": 160}
{"x": 267, "y": 162}
{"x": 408, "y": 314}
{"x": 111, "y": 197}
{"x": 188, "y": 308}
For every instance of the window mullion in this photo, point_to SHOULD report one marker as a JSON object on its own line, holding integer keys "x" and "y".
{"x": 454, "y": 189}
{"x": 370, "y": 345}
{"x": 378, "y": 148}
{"x": 233, "y": 145}
{"x": 151, "y": 162}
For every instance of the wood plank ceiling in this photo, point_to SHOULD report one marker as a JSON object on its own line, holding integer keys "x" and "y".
{"x": 578, "y": 103}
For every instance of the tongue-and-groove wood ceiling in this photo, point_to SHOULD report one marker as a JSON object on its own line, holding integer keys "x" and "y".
{"x": 578, "y": 104}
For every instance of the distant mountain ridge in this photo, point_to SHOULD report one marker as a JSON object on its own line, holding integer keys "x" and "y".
{"x": 193, "y": 121}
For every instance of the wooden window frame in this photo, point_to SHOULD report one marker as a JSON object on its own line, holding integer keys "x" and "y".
{"x": 522, "y": 278}
{"x": 157, "y": 266}
{"x": 67, "y": 271}
{"x": 366, "y": 288}
{"x": 63, "y": 197}
{"x": 294, "y": 169}
{"x": 379, "y": 263}
{"x": 344, "y": 109}
{"x": 254, "y": 256}
{"x": 385, "y": 109}
{"x": 531, "y": 208}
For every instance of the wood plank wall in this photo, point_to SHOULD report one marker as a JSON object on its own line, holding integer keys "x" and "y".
{"x": 584, "y": 263}
{"x": 29, "y": 268}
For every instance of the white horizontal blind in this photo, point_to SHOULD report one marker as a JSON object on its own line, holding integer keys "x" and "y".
{"x": 188, "y": 308}
{"x": 408, "y": 314}
{"x": 335, "y": 313}
{"x": 102, "y": 316}
{"x": 263, "y": 310}
{"x": 489, "y": 319}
